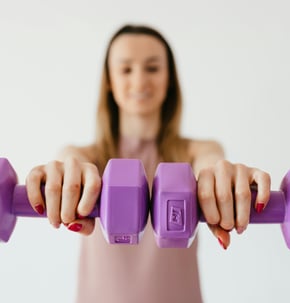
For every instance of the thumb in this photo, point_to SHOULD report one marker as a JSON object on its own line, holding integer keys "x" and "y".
{"x": 83, "y": 226}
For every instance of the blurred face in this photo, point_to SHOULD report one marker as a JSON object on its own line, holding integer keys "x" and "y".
{"x": 138, "y": 70}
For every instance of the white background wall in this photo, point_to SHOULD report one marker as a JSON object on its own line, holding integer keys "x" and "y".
{"x": 233, "y": 59}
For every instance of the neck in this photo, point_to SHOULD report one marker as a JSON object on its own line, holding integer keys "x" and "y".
{"x": 140, "y": 128}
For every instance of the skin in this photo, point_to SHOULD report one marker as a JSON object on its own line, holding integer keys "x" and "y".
{"x": 139, "y": 79}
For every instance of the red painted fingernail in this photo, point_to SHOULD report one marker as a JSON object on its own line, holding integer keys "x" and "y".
{"x": 40, "y": 209}
{"x": 221, "y": 243}
{"x": 75, "y": 227}
{"x": 80, "y": 216}
{"x": 259, "y": 207}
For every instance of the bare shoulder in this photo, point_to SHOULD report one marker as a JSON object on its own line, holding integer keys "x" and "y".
{"x": 83, "y": 153}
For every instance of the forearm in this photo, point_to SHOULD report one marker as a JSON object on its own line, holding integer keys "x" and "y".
{"x": 207, "y": 155}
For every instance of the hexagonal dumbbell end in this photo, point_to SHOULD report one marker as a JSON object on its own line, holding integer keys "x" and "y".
{"x": 8, "y": 180}
{"x": 285, "y": 187}
{"x": 124, "y": 203}
{"x": 174, "y": 212}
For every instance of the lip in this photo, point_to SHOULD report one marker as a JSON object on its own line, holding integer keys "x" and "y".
{"x": 140, "y": 96}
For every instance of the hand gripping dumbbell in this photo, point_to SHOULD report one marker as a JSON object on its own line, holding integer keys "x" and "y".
{"x": 122, "y": 207}
{"x": 175, "y": 212}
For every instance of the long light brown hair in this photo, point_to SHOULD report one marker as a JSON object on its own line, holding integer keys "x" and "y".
{"x": 172, "y": 147}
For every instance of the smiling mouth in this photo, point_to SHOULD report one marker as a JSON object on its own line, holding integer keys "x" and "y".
{"x": 140, "y": 96}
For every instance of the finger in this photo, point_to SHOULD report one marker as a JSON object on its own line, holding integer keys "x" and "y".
{"x": 206, "y": 197}
{"x": 263, "y": 182}
{"x": 33, "y": 187}
{"x": 53, "y": 192}
{"x": 242, "y": 198}
{"x": 83, "y": 226}
{"x": 224, "y": 196}
{"x": 222, "y": 235}
{"x": 71, "y": 190}
{"x": 91, "y": 189}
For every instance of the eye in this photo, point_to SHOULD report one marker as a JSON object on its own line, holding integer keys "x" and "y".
{"x": 152, "y": 68}
{"x": 126, "y": 70}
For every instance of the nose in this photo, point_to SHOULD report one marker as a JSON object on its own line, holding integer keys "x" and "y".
{"x": 139, "y": 79}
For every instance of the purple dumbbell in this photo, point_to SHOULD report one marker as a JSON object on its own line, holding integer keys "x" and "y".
{"x": 175, "y": 212}
{"x": 123, "y": 204}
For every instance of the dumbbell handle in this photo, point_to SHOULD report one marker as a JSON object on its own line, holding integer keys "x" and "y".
{"x": 22, "y": 208}
{"x": 273, "y": 213}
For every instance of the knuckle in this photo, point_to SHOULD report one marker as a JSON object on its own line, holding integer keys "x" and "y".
{"x": 91, "y": 168}
{"x": 240, "y": 167}
{"x": 54, "y": 164}
{"x": 94, "y": 187}
{"x": 260, "y": 174}
{"x": 71, "y": 162}
{"x": 224, "y": 169}
{"x": 243, "y": 195}
{"x": 204, "y": 196}
{"x": 74, "y": 187}
{"x": 53, "y": 188}
{"x": 266, "y": 177}
{"x": 205, "y": 172}
{"x": 224, "y": 197}
{"x": 35, "y": 174}
{"x": 223, "y": 164}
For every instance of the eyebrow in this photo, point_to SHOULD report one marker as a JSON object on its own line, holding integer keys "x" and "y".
{"x": 148, "y": 60}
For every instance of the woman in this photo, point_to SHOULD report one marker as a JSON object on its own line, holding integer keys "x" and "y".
{"x": 138, "y": 117}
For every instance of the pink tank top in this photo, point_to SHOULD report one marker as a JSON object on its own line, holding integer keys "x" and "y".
{"x": 140, "y": 273}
